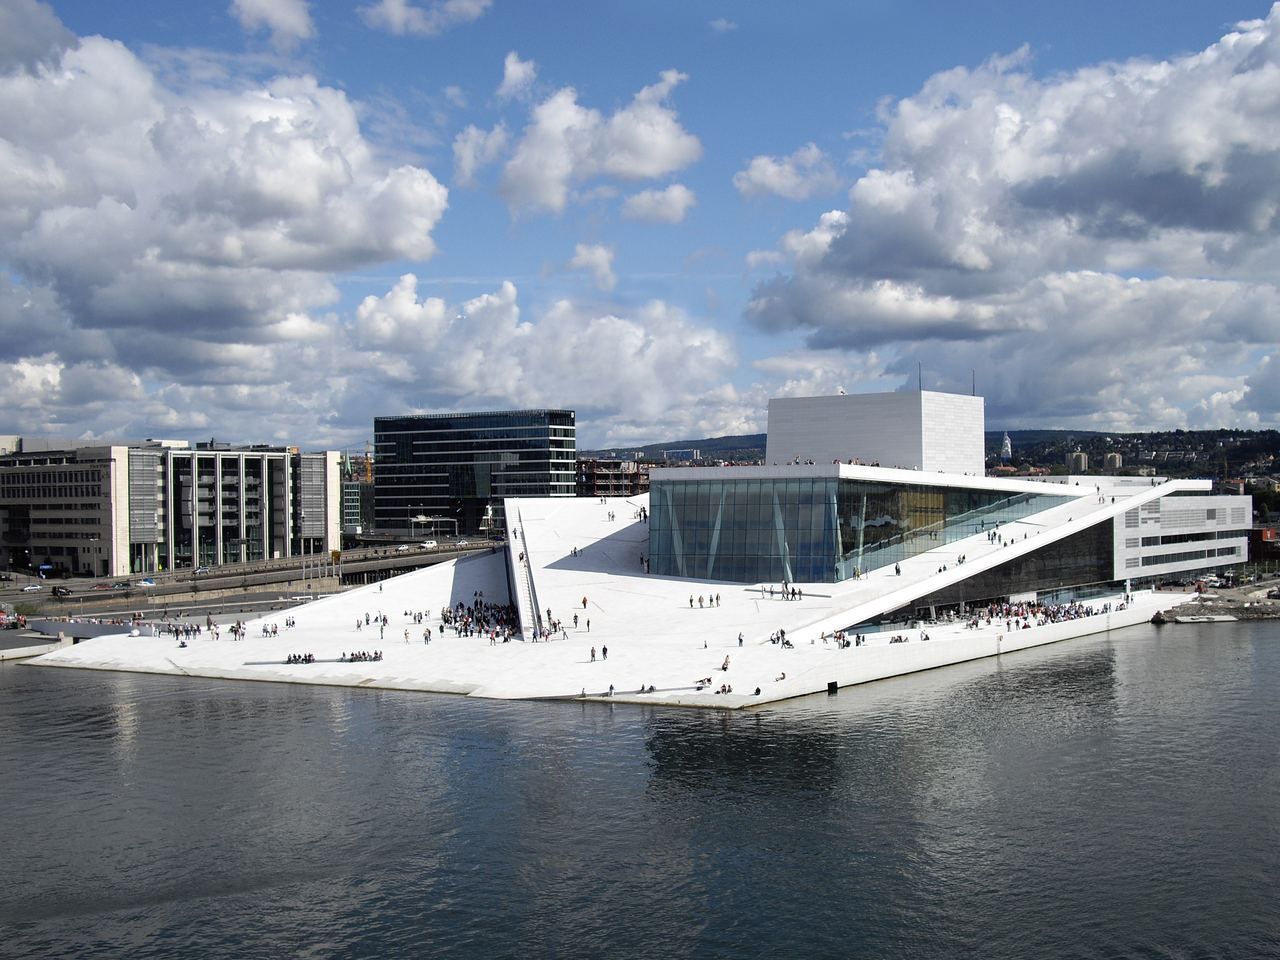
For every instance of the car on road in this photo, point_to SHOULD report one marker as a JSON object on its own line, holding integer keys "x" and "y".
{"x": 403, "y": 548}
{"x": 200, "y": 570}
{"x": 5, "y": 578}
{"x": 101, "y": 586}
{"x": 428, "y": 544}
{"x": 464, "y": 543}
{"x": 146, "y": 582}
{"x": 120, "y": 585}
{"x": 32, "y": 588}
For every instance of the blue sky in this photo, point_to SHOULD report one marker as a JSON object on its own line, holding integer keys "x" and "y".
{"x": 272, "y": 220}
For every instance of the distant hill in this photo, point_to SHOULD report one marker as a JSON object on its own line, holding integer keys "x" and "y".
{"x": 748, "y": 446}
{"x": 1198, "y": 451}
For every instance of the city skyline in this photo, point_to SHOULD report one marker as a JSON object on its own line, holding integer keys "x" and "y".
{"x": 274, "y": 220}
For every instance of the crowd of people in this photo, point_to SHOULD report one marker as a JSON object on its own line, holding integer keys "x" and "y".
{"x": 300, "y": 658}
{"x": 499, "y": 621}
{"x": 1022, "y": 616}
{"x": 361, "y": 656}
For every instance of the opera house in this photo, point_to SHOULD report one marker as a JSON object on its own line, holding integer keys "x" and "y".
{"x": 870, "y": 545}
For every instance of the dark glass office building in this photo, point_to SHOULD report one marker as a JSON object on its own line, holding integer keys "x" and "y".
{"x": 437, "y": 473}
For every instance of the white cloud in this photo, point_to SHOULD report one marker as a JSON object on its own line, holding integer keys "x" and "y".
{"x": 517, "y": 76}
{"x": 763, "y": 258}
{"x": 399, "y": 319}
{"x": 798, "y": 176}
{"x": 473, "y": 148}
{"x": 188, "y": 234}
{"x": 668, "y": 205}
{"x": 627, "y": 369}
{"x": 288, "y": 20}
{"x": 597, "y": 260}
{"x": 403, "y": 17}
{"x": 1100, "y": 245}
{"x": 721, "y": 25}
{"x": 455, "y": 95}
{"x": 30, "y": 34}
{"x": 566, "y": 143}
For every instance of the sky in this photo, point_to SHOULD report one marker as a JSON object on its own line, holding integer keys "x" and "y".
{"x": 272, "y": 220}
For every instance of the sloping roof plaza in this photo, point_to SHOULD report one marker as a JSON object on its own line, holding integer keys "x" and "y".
{"x": 573, "y": 551}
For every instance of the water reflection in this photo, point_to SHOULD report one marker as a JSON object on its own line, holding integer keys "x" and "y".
{"x": 1105, "y": 797}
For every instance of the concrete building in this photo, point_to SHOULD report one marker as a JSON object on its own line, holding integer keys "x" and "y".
{"x": 1113, "y": 462}
{"x": 921, "y": 430}
{"x": 452, "y": 471}
{"x": 145, "y": 506}
{"x": 1077, "y": 462}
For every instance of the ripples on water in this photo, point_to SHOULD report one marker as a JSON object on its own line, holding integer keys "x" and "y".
{"x": 1101, "y": 798}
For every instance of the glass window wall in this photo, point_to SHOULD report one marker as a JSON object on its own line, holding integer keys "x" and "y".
{"x": 813, "y": 530}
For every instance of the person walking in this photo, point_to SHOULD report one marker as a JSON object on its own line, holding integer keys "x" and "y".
{"x": 604, "y": 653}
{"x": 739, "y": 638}
{"x": 593, "y": 654}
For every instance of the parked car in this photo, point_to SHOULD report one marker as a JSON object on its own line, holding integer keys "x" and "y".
{"x": 32, "y": 588}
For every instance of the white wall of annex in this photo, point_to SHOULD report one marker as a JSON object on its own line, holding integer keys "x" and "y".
{"x": 953, "y": 427}
{"x": 874, "y": 428}
{"x": 917, "y": 431}
{"x": 1172, "y": 516}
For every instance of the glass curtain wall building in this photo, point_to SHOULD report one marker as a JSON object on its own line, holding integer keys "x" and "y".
{"x": 447, "y": 472}
{"x": 814, "y": 529}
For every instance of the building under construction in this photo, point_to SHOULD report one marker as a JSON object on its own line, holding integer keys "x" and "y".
{"x": 611, "y": 478}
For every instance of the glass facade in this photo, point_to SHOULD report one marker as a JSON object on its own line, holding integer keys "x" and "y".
{"x": 813, "y": 530}
{"x": 1083, "y": 559}
{"x": 459, "y": 466}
